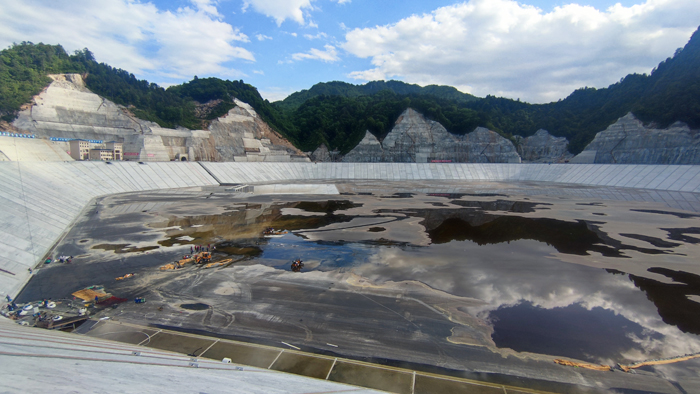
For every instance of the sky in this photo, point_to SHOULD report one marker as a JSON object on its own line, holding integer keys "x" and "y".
{"x": 535, "y": 50}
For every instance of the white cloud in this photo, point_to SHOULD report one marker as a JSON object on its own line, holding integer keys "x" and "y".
{"x": 343, "y": 1}
{"x": 505, "y": 48}
{"x": 329, "y": 55}
{"x": 273, "y": 94}
{"x": 207, "y": 6}
{"x": 259, "y": 72}
{"x": 280, "y": 10}
{"x": 128, "y": 34}
{"x": 262, "y": 37}
{"x": 316, "y": 36}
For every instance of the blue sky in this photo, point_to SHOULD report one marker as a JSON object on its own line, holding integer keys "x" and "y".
{"x": 535, "y": 50}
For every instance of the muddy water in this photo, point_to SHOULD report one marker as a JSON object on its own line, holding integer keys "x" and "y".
{"x": 599, "y": 281}
{"x": 511, "y": 255}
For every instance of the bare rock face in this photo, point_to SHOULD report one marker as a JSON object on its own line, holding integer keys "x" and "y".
{"x": 321, "y": 154}
{"x": 415, "y": 139}
{"x": 367, "y": 151}
{"x": 628, "y": 141}
{"x": 68, "y": 110}
{"x": 543, "y": 147}
{"x": 241, "y": 135}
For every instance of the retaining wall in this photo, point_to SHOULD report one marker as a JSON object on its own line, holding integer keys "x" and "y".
{"x": 658, "y": 177}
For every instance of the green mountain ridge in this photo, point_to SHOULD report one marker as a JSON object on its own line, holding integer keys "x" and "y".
{"x": 344, "y": 89}
{"x": 338, "y": 113}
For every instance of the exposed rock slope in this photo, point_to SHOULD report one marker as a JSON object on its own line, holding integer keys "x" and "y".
{"x": 628, "y": 141}
{"x": 415, "y": 139}
{"x": 543, "y": 147}
{"x": 67, "y": 109}
{"x": 368, "y": 150}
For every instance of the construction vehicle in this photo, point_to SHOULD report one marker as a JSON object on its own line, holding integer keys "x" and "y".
{"x": 202, "y": 258}
{"x": 198, "y": 258}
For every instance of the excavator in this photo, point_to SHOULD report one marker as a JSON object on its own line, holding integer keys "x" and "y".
{"x": 197, "y": 258}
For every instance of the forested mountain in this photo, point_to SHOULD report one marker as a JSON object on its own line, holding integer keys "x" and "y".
{"x": 344, "y": 89}
{"x": 23, "y": 70}
{"x": 339, "y": 113}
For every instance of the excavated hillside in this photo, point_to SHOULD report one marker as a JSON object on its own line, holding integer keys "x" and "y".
{"x": 67, "y": 109}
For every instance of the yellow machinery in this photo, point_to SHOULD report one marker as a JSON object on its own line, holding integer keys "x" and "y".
{"x": 218, "y": 263}
{"x": 202, "y": 258}
{"x": 198, "y": 258}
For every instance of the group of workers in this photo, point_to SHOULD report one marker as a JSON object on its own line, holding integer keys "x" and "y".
{"x": 200, "y": 248}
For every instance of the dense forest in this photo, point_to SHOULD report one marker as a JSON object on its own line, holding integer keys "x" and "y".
{"x": 344, "y": 89}
{"x": 338, "y": 113}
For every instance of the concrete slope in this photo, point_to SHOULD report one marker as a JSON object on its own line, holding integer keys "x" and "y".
{"x": 31, "y": 149}
{"x": 40, "y": 200}
{"x": 36, "y": 360}
{"x": 682, "y": 178}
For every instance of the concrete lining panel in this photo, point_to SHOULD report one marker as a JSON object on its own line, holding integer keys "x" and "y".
{"x": 638, "y": 176}
{"x": 623, "y": 174}
{"x": 434, "y": 384}
{"x": 372, "y": 377}
{"x": 239, "y": 353}
{"x": 674, "y": 177}
{"x": 126, "y": 177}
{"x": 686, "y": 179}
{"x": 300, "y": 364}
{"x": 192, "y": 346}
{"x": 162, "y": 175}
{"x": 655, "y": 172}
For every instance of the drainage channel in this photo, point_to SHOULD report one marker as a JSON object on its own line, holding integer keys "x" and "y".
{"x": 336, "y": 369}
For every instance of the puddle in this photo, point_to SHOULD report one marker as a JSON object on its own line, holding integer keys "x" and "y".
{"x": 674, "y": 300}
{"x": 322, "y": 255}
{"x": 681, "y": 215}
{"x": 571, "y": 331}
{"x": 502, "y": 205}
{"x": 195, "y": 307}
{"x": 659, "y": 243}
{"x": 326, "y": 206}
{"x": 400, "y": 195}
{"x": 681, "y": 234}
{"x": 124, "y": 248}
